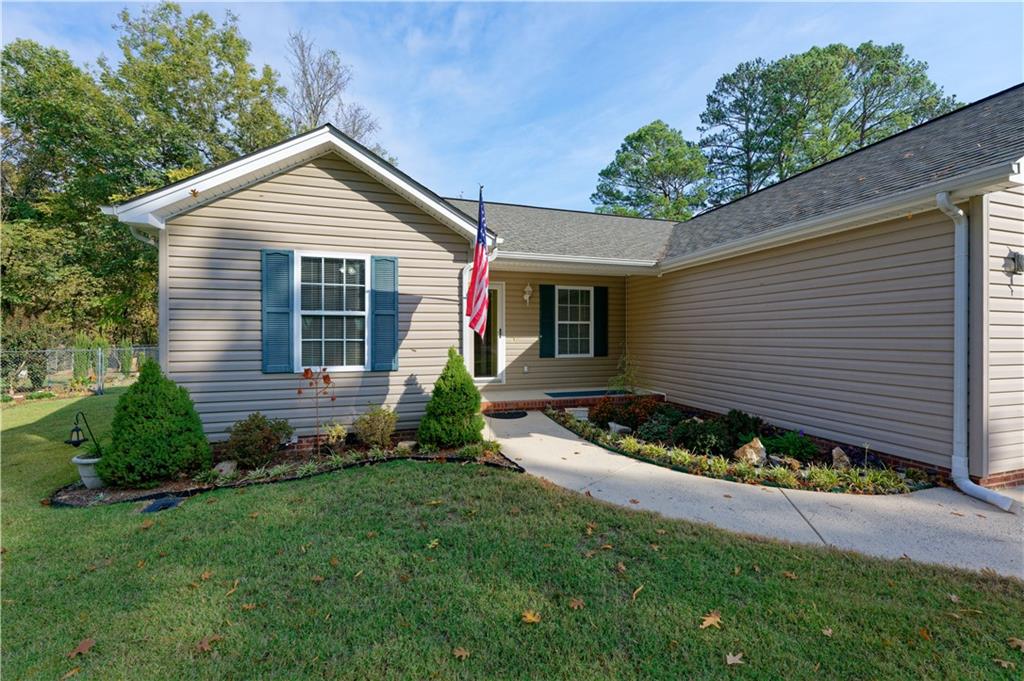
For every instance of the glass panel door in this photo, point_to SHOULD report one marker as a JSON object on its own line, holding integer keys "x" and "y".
{"x": 485, "y": 350}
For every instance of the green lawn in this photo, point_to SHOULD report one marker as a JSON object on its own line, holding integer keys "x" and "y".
{"x": 345, "y": 584}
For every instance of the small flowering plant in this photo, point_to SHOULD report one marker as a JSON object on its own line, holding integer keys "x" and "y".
{"x": 316, "y": 384}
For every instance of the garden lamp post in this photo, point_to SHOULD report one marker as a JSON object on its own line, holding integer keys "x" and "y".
{"x": 86, "y": 464}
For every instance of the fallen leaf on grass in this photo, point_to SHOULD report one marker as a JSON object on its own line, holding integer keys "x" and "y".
{"x": 634, "y": 501}
{"x": 925, "y": 634}
{"x": 655, "y": 547}
{"x": 357, "y": 575}
{"x": 954, "y": 598}
{"x": 731, "y": 659}
{"x": 141, "y": 564}
{"x": 146, "y": 524}
{"x": 334, "y": 561}
{"x": 757, "y": 568}
{"x": 233, "y": 589}
{"x": 435, "y": 502}
{"x": 637, "y": 591}
{"x": 989, "y": 572}
{"x": 206, "y": 575}
{"x": 590, "y": 528}
{"x": 789, "y": 575}
{"x": 460, "y": 653}
{"x": 434, "y": 543}
{"x": 254, "y": 514}
{"x": 606, "y": 547}
{"x": 84, "y": 646}
{"x": 712, "y": 619}
{"x": 318, "y": 578}
{"x": 1017, "y": 643}
{"x": 576, "y": 604}
{"x": 827, "y": 632}
{"x": 620, "y": 567}
{"x": 404, "y": 579}
{"x": 206, "y": 645}
{"x": 661, "y": 531}
{"x": 71, "y": 672}
{"x": 531, "y": 616}
{"x": 1005, "y": 664}
{"x": 371, "y": 534}
{"x": 736, "y": 570}
{"x": 248, "y": 606}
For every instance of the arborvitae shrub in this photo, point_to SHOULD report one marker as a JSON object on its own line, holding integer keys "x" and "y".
{"x": 155, "y": 435}
{"x": 453, "y": 412}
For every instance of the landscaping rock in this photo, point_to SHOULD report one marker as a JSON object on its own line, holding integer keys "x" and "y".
{"x": 619, "y": 428}
{"x": 226, "y": 467}
{"x": 753, "y": 453}
{"x": 407, "y": 444}
{"x": 580, "y": 413}
{"x": 840, "y": 459}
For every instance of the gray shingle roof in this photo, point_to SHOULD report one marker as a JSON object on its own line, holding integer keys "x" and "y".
{"x": 977, "y": 136}
{"x": 527, "y": 229}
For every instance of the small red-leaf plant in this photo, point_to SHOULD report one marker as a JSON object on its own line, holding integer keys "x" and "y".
{"x": 316, "y": 384}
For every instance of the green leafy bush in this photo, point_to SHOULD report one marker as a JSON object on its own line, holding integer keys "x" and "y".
{"x": 376, "y": 427}
{"x": 702, "y": 437}
{"x": 791, "y": 444}
{"x": 718, "y": 466}
{"x": 740, "y": 426}
{"x": 335, "y": 434}
{"x": 823, "y": 478}
{"x": 660, "y": 427}
{"x": 155, "y": 435}
{"x": 254, "y": 440}
{"x": 41, "y": 395}
{"x": 6, "y": 398}
{"x": 780, "y": 476}
{"x": 453, "y": 415}
{"x": 125, "y": 353}
{"x": 744, "y": 472}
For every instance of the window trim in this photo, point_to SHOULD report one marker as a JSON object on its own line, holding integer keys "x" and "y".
{"x": 590, "y": 324}
{"x": 297, "y": 309}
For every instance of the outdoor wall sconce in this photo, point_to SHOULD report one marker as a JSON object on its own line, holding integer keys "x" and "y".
{"x": 527, "y": 292}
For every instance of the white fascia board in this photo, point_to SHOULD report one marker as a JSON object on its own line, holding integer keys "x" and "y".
{"x": 154, "y": 209}
{"x": 896, "y": 205}
{"x": 545, "y": 262}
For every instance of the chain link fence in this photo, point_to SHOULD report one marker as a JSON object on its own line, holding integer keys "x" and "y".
{"x": 72, "y": 369}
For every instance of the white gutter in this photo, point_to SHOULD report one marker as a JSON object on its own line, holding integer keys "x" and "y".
{"x": 960, "y": 329}
{"x": 144, "y": 238}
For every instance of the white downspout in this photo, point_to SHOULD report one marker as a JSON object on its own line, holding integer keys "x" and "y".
{"x": 960, "y": 330}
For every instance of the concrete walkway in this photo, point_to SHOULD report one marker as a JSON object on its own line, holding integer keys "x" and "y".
{"x": 933, "y": 526}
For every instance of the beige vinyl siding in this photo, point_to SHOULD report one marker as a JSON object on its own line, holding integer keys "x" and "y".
{"x": 522, "y": 343}
{"x": 848, "y": 337}
{"x": 1006, "y": 333}
{"x": 213, "y": 296}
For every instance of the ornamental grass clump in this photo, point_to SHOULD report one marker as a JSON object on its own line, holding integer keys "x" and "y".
{"x": 452, "y": 417}
{"x": 156, "y": 433}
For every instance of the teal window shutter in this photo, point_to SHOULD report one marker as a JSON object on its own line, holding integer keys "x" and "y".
{"x": 600, "y": 321}
{"x": 547, "y": 320}
{"x": 384, "y": 313}
{"x": 276, "y": 300}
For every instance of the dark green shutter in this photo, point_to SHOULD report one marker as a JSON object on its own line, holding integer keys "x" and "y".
{"x": 600, "y": 321}
{"x": 384, "y": 313}
{"x": 276, "y": 300}
{"x": 547, "y": 320}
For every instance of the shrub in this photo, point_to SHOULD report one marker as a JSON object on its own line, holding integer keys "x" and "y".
{"x": 453, "y": 416}
{"x": 702, "y": 437}
{"x": 740, "y": 426}
{"x": 633, "y": 411}
{"x": 155, "y": 435}
{"x": 791, "y": 444}
{"x": 660, "y": 426}
{"x": 376, "y": 427}
{"x": 81, "y": 359}
{"x": 6, "y": 398}
{"x": 744, "y": 471}
{"x": 680, "y": 457}
{"x": 630, "y": 445}
{"x": 604, "y": 411}
{"x": 718, "y": 466}
{"x": 335, "y": 434}
{"x": 42, "y": 395}
{"x": 254, "y": 440}
{"x": 125, "y": 353}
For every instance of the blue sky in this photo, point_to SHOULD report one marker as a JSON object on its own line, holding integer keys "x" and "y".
{"x": 533, "y": 99}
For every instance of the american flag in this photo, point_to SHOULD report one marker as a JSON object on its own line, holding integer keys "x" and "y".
{"x": 476, "y": 301}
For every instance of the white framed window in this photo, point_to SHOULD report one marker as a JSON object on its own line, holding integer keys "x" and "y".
{"x": 574, "y": 321}
{"x": 331, "y": 319}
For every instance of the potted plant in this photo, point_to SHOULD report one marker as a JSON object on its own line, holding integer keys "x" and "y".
{"x": 86, "y": 463}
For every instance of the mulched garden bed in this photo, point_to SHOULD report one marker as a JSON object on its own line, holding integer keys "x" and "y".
{"x": 291, "y": 463}
{"x": 867, "y": 475}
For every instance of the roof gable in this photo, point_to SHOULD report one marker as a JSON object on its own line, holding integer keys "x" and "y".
{"x": 153, "y": 209}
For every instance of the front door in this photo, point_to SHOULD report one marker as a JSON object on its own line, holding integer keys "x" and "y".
{"x": 488, "y": 351}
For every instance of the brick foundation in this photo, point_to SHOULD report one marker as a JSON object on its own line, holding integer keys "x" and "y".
{"x": 1002, "y": 480}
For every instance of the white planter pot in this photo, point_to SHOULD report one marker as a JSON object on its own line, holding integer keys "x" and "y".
{"x": 87, "y": 471}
